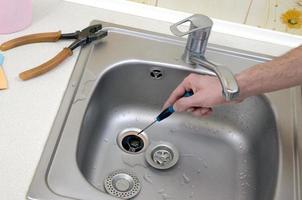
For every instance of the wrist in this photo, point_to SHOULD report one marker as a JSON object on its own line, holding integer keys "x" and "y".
{"x": 243, "y": 84}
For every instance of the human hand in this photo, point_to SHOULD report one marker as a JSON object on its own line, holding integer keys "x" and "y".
{"x": 207, "y": 93}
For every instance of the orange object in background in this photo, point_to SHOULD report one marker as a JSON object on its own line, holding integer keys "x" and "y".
{"x": 3, "y": 81}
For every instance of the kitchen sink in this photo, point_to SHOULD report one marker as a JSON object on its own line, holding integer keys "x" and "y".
{"x": 233, "y": 153}
{"x": 250, "y": 150}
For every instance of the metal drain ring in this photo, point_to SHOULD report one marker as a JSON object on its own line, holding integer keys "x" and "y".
{"x": 162, "y": 155}
{"x": 132, "y": 132}
{"x": 122, "y": 184}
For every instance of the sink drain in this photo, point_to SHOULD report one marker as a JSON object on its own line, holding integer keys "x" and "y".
{"x": 162, "y": 155}
{"x": 130, "y": 142}
{"x": 122, "y": 184}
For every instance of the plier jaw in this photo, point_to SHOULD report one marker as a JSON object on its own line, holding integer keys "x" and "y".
{"x": 82, "y": 41}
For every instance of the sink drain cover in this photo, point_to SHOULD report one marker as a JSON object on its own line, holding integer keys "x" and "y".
{"x": 162, "y": 155}
{"x": 122, "y": 184}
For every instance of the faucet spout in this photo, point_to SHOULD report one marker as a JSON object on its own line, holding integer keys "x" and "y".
{"x": 194, "y": 54}
{"x": 230, "y": 89}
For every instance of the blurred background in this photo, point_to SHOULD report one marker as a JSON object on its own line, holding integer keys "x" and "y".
{"x": 42, "y": 8}
{"x": 279, "y": 15}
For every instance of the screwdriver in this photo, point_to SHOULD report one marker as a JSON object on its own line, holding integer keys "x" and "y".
{"x": 166, "y": 113}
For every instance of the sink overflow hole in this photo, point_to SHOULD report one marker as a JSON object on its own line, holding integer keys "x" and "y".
{"x": 156, "y": 73}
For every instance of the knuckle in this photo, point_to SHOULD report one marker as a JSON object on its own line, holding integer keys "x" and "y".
{"x": 186, "y": 80}
{"x": 189, "y": 79}
{"x": 178, "y": 106}
{"x": 191, "y": 76}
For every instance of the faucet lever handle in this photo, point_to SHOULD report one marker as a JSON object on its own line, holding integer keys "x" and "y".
{"x": 198, "y": 34}
{"x": 197, "y": 22}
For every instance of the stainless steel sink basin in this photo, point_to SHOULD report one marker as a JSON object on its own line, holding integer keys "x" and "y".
{"x": 232, "y": 154}
{"x": 245, "y": 151}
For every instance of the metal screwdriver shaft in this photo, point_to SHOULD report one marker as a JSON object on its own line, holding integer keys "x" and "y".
{"x": 147, "y": 127}
{"x": 165, "y": 113}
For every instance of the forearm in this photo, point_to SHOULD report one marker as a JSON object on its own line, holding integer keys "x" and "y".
{"x": 282, "y": 72}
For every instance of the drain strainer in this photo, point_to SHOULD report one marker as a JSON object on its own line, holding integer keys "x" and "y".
{"x": 122, "y": 184}
{"x": 162, "y": 155}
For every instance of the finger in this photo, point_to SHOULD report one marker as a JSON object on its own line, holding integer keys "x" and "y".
{"x": 190, "y": 110}
{"x": 208, "y": 113}
{"x": 177, "y": 93}
{"x": 186, "y": 103}
{"x": 200, "y": 112}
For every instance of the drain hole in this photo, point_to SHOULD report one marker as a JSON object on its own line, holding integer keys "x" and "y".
{"x": 132, "y": 143}
{"x": 156, "y": 73}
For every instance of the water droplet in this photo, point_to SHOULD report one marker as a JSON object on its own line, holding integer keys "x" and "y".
{"x": 79, "y": 99}
{"x": 147, "y": 178}
{"x": 205, "y": 164}
{"x": 187, "y": 125}
{"x": 161, "y": 191}
{"x": 166, "y": 196}
{"x": 106, "y": 140}
{"x": 172, "y": 131}
{"x": 186, "y": 178}
{"x": 133, "y": 161}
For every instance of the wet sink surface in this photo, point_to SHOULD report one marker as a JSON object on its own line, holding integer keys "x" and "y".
{"x": 221, "y": 157}
{"x": 243, "y": 151}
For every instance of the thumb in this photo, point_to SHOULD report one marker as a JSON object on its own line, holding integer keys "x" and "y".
{"x": 183, "y": 104}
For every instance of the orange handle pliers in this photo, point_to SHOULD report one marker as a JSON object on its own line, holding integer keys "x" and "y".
{"x": 83, "y": 37}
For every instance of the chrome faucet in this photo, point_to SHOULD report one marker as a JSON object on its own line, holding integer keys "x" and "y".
{"x": 198, "y": 35}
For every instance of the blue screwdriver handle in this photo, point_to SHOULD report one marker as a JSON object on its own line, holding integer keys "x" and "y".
{"x": 170, "y": 110}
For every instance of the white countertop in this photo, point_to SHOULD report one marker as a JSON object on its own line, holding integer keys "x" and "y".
{"x": 28, "y": 108}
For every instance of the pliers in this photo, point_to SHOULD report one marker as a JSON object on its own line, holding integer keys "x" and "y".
{"x": 83, "y": 37}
